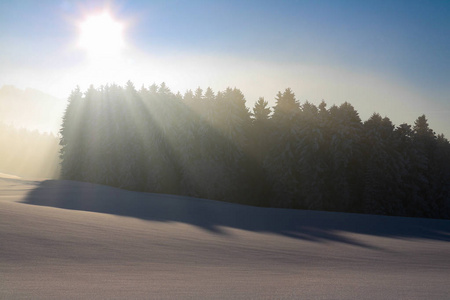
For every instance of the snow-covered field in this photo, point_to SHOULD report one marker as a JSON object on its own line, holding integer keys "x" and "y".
{"x": 67, "y": 240}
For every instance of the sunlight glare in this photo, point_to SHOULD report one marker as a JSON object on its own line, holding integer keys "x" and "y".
{"x": 101, "y": 35}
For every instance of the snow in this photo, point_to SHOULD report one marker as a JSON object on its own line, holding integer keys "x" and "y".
{"x": 72, "y": 240}
{"x": 3, "y": 175}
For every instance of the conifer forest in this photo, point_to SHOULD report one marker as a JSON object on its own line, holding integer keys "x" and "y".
{"x": 292, "y": 155}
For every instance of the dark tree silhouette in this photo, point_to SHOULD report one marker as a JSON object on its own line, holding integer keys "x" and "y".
{"x": 210, "y": 145}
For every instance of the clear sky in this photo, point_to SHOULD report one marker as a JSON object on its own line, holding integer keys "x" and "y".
{"x": 391, "y": 57}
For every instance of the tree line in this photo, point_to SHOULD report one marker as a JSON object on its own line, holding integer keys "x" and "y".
{"x": 292, "y": 155}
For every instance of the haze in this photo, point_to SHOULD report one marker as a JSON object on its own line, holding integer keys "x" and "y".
{"x": 224, "y": 149}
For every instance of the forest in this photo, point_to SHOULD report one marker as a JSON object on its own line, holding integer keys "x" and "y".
{"x": 292, "y": 155}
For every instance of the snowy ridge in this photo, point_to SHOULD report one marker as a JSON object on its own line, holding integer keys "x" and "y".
{"x": 66, "y": 239}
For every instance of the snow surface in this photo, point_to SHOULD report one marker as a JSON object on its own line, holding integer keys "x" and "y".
{"x": 3, "y": 175}
{"x": 72, "y": 240}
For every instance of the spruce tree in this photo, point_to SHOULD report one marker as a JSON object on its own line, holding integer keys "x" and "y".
{"x": 382, "y": 167}
{"x": 281, "y": 163}
{"x": 345, "y": 159}
{"x": 71, "y": 137}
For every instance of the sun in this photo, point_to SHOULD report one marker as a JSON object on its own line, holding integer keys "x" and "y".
{"x": 101, "y": 35}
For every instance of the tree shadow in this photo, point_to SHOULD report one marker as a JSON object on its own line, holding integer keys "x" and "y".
{"x": 213, "y": 215}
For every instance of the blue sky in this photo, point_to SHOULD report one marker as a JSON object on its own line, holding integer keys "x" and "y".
{"x": 392, "y": 57}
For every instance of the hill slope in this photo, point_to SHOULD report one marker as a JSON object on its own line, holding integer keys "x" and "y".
{"x": 63, "y": 239}
{"x": 31, "y": 109}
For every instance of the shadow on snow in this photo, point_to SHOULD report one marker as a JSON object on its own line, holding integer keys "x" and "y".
{"x": 213, "y": 215}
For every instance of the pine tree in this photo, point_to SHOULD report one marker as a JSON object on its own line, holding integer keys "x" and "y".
{"x": 197, "y": 152}
{"x": 311, "y": 159}
{"x": 260, "y": 130}
{"x": 441, "y": 177}
{"x": 345, "y": 159}
{"x": 423, "y": 143}
{"x": 383, "y": 164}
{"x": 92, "y": 170}
{"x": 71, "y": 137}
{"x": 232, "y": 124}
{"x": 281, "y": 164}
{"x": 162, "y": 165}
{"x": 261, "y": 111}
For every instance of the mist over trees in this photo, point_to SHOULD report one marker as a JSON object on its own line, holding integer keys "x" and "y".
{"x": 29, "y": 124}
{"x": 28, "y": 153}
{"x": 293, "y": 155}
{"x": 30, "y": 109}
